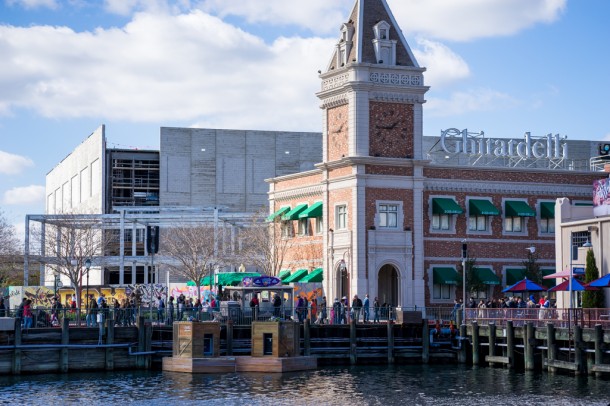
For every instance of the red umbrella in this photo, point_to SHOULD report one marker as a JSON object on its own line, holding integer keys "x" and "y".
{"x": 525, "y": 285}
{"x": 576, "y": 286}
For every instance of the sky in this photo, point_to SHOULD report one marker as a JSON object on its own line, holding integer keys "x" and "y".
{"x": 68, "y": 66}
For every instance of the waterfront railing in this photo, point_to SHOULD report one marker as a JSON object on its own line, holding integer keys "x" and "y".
{"x": 560, "y": 317}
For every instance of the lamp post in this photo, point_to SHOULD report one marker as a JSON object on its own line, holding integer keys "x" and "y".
{"x": 87, "y": 266}
{"x": 464, "y": 256}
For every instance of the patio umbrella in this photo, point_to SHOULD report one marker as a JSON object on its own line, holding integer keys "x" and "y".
{"x": 576, "y": 286}
{"x": 603, "y": 282}
{"x": 563, "y": 274}
{"x": 525, "y": 285}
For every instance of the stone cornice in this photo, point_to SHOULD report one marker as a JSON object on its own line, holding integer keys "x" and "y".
{"x": 294, "y": 175}
{"x": 334, "y": 101}
{"x": 451, "y": 185}
{"x": 371, "y": 160}
{"x": 298, "y": 193}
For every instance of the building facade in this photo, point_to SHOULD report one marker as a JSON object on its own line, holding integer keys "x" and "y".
{"x": 394, "y": 209}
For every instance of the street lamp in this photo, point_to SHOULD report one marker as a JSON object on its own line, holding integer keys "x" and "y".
{"x": 464, "y": 256}
{"x": 87, "y": 266}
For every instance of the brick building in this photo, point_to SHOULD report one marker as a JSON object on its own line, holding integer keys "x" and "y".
{"x": 387, "y": 210}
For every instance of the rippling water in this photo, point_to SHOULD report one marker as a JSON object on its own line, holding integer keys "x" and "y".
{"x": 346, "y": 386}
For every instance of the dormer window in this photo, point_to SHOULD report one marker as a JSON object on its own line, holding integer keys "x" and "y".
{"x": 385, "y": 49}
{"x": 344, "y": 46}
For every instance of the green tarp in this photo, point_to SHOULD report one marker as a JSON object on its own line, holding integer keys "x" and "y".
{"x": 317, "y": 275}
{"x": 296, "y": 277}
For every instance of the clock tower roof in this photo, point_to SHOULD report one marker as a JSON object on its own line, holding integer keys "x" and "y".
{"x": 371, "y": 36}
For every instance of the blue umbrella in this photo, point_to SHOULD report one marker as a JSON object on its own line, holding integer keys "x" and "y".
{"x": 525, "y": 285}
{"x": 603, "y": 282}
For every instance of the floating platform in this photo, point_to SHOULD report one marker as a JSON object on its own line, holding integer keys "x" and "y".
{"x": 215, "y": 365}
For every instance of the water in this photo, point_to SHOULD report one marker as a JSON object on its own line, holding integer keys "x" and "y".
{"x": 362, "y": 385}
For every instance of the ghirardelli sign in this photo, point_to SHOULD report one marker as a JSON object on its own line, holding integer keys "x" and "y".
{"x": 454, "y": 141}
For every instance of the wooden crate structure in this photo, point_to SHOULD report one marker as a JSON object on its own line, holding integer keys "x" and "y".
{"x": 275, "y": 339}
{"x": 408, "y": 317}
{"x": 196, "y": 339}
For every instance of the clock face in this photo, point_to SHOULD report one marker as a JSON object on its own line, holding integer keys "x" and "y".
{"x": 337, "y": 133}
{"x": 389, "y": 130}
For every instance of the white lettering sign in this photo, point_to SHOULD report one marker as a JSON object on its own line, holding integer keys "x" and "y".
{"x": 454, "y": 141}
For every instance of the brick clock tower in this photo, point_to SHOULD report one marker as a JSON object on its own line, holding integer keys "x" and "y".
{"x": 372, "y": 170}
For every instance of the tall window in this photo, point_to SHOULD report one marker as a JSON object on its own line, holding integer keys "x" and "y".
{"x": 477, "y": 223}
{"x": 286, "y": 229}
{"x": 547, "y": 226}
{"x": 341, "y": 217}
{"x": 319, "y": 225}
{"x": 440, "y": 222}
{"x": 304, "y": 226}
{"x": 441, "y": 291}
{"x": 388, "y": 215}
{"x": 513, "y": 224}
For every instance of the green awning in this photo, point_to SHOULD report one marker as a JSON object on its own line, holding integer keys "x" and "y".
{"x": 234, "y": 278}
{"x": 315, "y": 210}
{"x": 487, "y": 276}
{"x": 548, "y": 283}
{"x": 441, "y": 205}
{"x": 547, "y": 210}
{"x": 517, "y": 208}
{"x": 317, "y": 275}
{"x": 294, "y": 213}
{"x": 445, "y": 276}
{"x": 278, "y": 213}
{"x": 284, "y": 273}
{"x": 296, "y": 277}
{"x": 514, "y": 275}
{"x": 482, "y": 208}
{"x": 583, "y": 204}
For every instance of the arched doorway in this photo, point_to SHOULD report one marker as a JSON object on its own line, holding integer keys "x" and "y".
{"x": 388, "y": 285}
{"x": 342, "y": 281}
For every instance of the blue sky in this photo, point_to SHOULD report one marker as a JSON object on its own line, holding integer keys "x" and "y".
{"x": 69, "y": 66}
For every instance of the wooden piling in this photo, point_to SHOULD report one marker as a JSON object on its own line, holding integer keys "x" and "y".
{"x": 109, "y": 340}
{"x": 599, "y": 348}
{"x": 230, "y": 337}
{"x": 462, "y": 353}
{"x": 390, "y": 342}
{"x": 425, "y": 355}
{"x": 551, "y": 351}
{"x": 140, "y": 360}
{"x": 64, "y": 359}
{"x": 492, "y": 342}
{"x": 306, "y": 338}
{"x": 476, "y": 343}
{"x": 352, "y": 342}
{"x": 529, "y": 342}
{"x": 510, "y": 343}
{"x": 16, "y": 367}
{"x": 579, "y": 351}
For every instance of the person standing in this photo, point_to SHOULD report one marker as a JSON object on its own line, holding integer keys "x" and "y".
{"x": 323, "y": 310}
{"x": 2, "y": 307}
{"x": 277, "y": 304}
{"x": 376, "y": 309}
{"x": 365, "y": 308}
{"x": 300, "y": 309}
{"x": 27, "y": 314}
{"x": 337, "y": 310}
{"x": 314, "y": 307}
{"x": 254, "y": 306}
{"x": 356, "y": 308}
{"x": 160, "y": 309}
{"x": 170, "y": 311}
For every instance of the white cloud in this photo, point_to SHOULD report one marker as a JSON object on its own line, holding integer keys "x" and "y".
{"x": 463, "y": 20}
{"x": 158, "y": 67}
{"x": 470, "y": 101}
{"x": 33, "y": 4}
{"x": 320, "y": 16}
{"x": 12, "y": 164}
{"x": 442, "y": 64}
{"x": 24, "y": 195}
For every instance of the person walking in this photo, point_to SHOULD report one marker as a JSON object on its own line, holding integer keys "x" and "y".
{"x": 301, "y": 311}
{"x": 170, "y": 311}
{"x": 337, "y": 310}
{"x": 27, "y": 314}
{"x": 365, "y": 309}
{"x": 160, "y": 310}
{"x": 314, "y": 307}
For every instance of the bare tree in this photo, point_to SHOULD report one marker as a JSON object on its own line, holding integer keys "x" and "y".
{"x": 266, "y": 245}
{"x": 10, "y": 268}
{"x": 192, "y": 251}
{"x": 70, "y": 240}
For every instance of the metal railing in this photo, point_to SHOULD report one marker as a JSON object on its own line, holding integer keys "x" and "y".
{"x": 47, "y": 317}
